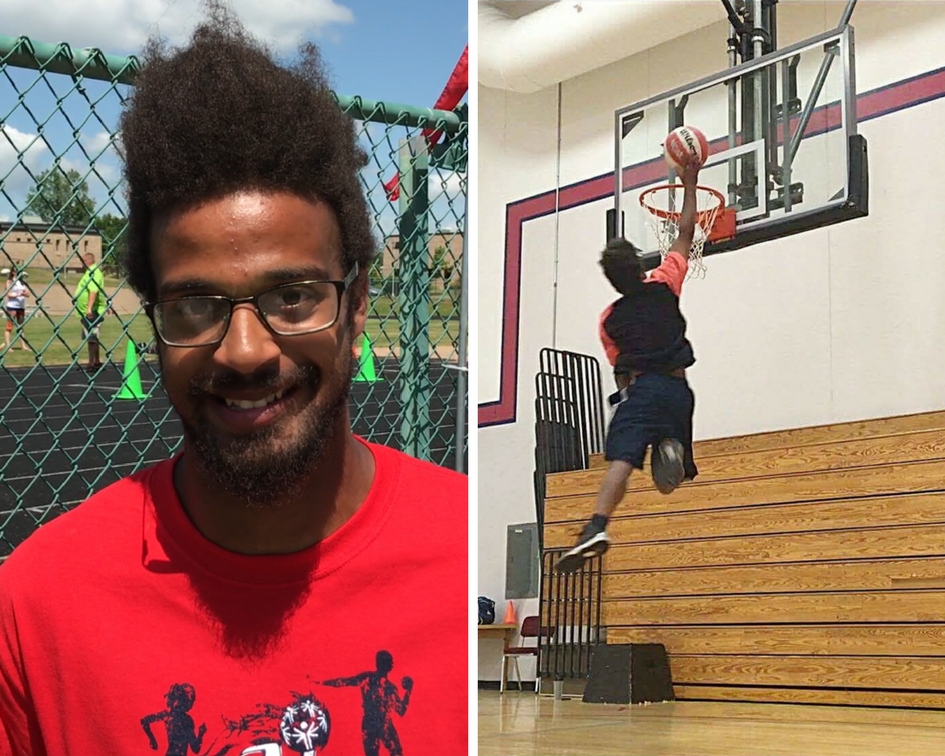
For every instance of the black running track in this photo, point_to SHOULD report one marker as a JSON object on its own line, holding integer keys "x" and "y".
{"x": 63, "y": 435}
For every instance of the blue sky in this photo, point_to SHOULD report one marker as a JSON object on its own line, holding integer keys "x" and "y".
{"x": 396, "y": 50}
{"x": 400, "y": 50}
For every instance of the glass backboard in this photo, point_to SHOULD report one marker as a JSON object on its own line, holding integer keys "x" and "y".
{"x": 783, "y": 168}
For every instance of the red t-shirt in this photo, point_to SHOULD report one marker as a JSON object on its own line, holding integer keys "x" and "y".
{"x": 123, "y": 630}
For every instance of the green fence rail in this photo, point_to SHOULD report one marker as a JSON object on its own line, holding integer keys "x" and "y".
{"x": 66, "y": 432}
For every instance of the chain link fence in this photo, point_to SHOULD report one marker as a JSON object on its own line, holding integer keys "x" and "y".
{"x": 67, "y": 431}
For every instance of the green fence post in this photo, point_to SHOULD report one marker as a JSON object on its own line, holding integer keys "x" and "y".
{"x": 414, "y": 300}
{"x": 453, "y": 155}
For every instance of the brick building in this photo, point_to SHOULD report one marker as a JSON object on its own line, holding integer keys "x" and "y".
{"x": 62, "y": 246}
{"x": 445, "y": 247}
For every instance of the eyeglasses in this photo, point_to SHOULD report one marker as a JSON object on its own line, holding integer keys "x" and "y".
{"x": 292, "y": 309}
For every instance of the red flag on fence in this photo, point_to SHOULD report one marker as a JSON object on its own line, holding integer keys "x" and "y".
{"x": 455, "y": 89}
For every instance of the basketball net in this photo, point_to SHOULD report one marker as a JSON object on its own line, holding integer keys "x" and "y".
{"x": 660, "y": 204}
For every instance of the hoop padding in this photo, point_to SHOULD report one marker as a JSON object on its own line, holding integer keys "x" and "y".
{"x": 660, "y": 203}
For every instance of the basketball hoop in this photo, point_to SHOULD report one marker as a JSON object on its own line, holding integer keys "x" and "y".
{"x": 660, "y": 203}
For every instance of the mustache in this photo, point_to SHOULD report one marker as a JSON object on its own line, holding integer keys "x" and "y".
{"x": 265, "y": 379}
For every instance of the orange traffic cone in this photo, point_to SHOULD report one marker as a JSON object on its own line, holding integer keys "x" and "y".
{"x": 510, "y": 614}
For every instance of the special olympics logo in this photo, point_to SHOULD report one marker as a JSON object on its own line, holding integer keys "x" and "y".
{"x": 305, "y": 726}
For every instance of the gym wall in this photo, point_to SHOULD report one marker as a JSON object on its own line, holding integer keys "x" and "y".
{"x": 835, "y": 324}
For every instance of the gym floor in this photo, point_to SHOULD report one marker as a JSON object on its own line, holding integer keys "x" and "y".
{"x": 523, "y": 724}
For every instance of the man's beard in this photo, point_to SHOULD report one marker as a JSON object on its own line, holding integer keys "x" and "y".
{"x": 265, "y": 467}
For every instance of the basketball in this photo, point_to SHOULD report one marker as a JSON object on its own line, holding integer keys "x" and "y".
{"x": 684, "y": 145}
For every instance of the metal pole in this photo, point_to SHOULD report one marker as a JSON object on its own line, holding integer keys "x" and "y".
{"x": 92, "y": 63}
{"x": 749, "y": 167}
{"x": 815, "y": 91}
{"x": 618, "y": 172}
{"x": 579, "y": 641}
{"x": 773, "y": 25}
{"x": 849, "y": 76}
{"x": 819, "y": 81}
{"x": 542, "y": 653}
{"x": 670, "y": 171}
{"x": 416, "y": 386}
{"x": 771, "y": 101}
{"x": 847, "y": 14}
{"x": 463, "y": 365}
{"x": 559, "y": 624}
{"x": 757, "y": 36}
{"x": 733, "y": 19}
{"x": 786, "y": 130}
{"x": 599, "y": 572}
{"x": 554, "y": 283}
{"x": 575, "y": 635}
{"x": 732, "y": 116}
{"x": 757, "y": 40}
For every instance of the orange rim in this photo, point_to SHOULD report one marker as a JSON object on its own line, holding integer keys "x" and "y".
{"x": 673, "y": 215}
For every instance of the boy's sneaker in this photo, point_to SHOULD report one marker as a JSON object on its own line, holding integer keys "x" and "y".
{"x": 667, "y": 465}
{"x": 593, "y": 542}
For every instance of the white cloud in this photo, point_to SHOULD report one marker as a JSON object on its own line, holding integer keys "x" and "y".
{"x": 23, "y": 157}
{"x": 122, "y": 26}
{"x": 95, "y": 174}
{"x": 450, "y": 184}
{"x": 110, "y": 174}
{"x": 19, "y": 151}
{"x": 19, "y": 146}
{"x": 96, "y": 143}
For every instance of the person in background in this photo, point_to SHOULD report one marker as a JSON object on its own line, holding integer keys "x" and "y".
{"x": 91, "y": 303}
{"x": 14, "y": 303}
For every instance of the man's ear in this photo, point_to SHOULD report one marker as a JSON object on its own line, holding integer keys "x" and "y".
{"x": 357, "y": 304}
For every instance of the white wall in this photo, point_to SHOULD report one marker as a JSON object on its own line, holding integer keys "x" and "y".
{"x": 836, "y": 324}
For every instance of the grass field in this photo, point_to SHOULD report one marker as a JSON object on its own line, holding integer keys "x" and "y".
{"x": 57, "y": 339}
{"x": 39, "y": 278}
{"x": 445, "y": 304}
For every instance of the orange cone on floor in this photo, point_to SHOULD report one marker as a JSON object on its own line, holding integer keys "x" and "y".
{"x": 510, "y": 614}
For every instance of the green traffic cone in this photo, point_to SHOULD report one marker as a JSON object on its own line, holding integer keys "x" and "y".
{"x": 367, "y": 373}
{"x": 131, "y": 378}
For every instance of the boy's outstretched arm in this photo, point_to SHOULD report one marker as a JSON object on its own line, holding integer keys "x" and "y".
{"x": 687, "y": 220}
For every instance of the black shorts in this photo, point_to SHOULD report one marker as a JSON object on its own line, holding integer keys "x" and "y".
{"x": 656, "y": 407}
{"x": 91, "y": 328}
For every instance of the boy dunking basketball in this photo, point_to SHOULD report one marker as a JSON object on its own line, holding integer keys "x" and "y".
{"x": 644, "y": 335}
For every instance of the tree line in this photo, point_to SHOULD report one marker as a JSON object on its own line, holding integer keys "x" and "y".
{"x": 62, "y": 197}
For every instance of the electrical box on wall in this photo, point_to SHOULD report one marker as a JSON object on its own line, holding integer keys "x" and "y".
{"x": 522, "y": 561}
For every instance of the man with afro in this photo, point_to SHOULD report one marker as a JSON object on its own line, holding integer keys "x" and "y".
{"x": 277, "y": 548}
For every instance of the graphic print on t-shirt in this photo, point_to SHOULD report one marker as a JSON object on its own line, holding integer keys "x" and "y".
{"x": 177, "y": 722}
{"x": 380, "y": 700}
{"x": 301, "y": 724}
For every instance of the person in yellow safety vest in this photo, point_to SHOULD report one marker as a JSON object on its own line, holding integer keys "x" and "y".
{"x": 90, "y": 306}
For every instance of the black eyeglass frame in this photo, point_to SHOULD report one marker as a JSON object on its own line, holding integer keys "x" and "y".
{"x": 341, "y": 286}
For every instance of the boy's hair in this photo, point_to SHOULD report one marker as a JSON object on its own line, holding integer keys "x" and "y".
{"x": 621, "y": 265}
{"x": 220, "y": 116}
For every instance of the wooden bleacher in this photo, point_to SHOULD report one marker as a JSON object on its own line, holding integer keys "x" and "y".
{"x": 803, "y": 566}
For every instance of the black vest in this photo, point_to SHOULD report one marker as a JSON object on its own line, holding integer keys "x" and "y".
{"x": 649, "y": 330}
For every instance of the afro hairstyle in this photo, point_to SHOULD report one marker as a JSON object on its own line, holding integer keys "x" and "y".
{"x": 219, "y": 116}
